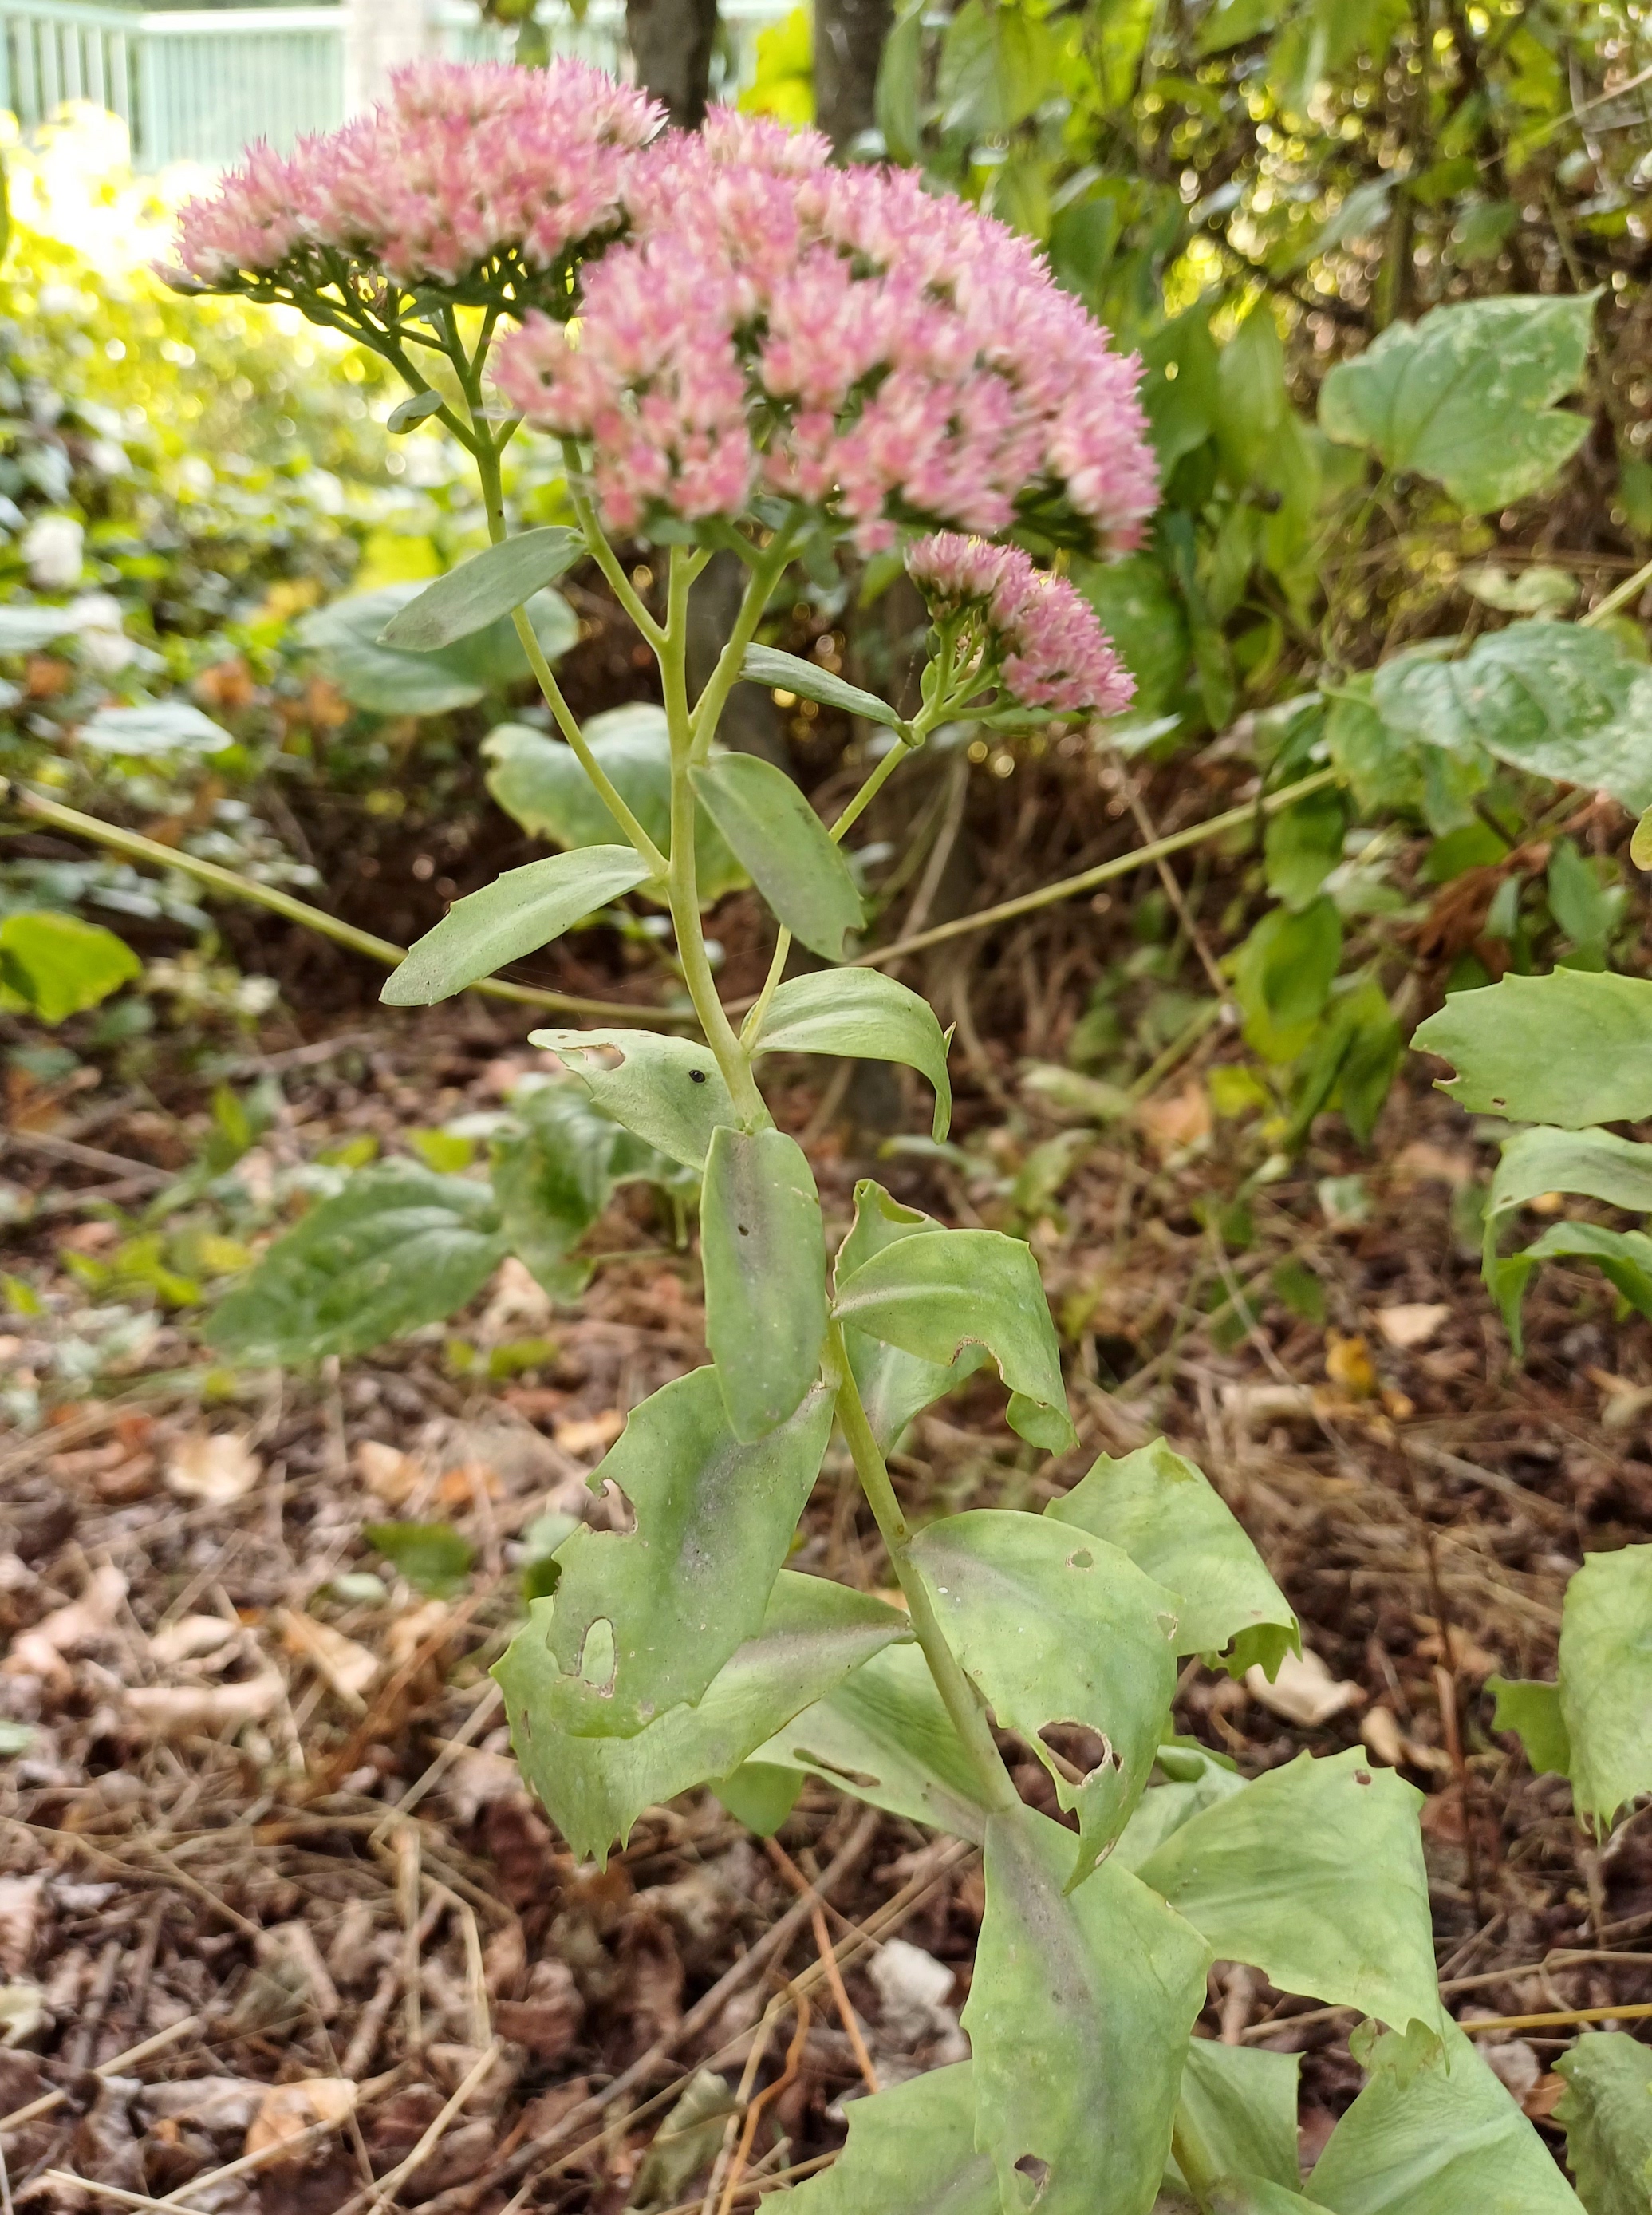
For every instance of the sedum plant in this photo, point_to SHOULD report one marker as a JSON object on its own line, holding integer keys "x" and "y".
{"x": 739, "y": 347}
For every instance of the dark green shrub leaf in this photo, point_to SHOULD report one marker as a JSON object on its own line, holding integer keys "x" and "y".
{"x": 1531, "y": 1711}
{"x": 482, "y": 590}
{"x": 936, "y": 1295}
{"x": 59, "y": 965}
{"x": 1606, "y": 2109}
{"x": 894, "y": 1386}
{"x": 399, "y": 1247}
{"x": 763, "y": 1247}
{"x": 1606, "y": 1681}
{"x": 866, "y": 1015}
{"x": 668, "y": 1092}
{"x": 912, "y": 2148}
{"x": 1571, "y": 1048}
{"x": 1163, "y": 1512}
{"x": 434, "y": 1557}
{"x": 645, "y": 1619}
{"x": 788, "y": 672}
{"x": 1313, "y": 1875}
{"x": 812, "y": 1635}
{"x": 516, "y": 914}
{"x": 1303, "y": 844}
{"x": 1078, "y": 2016}
{"x": 782, "y": 845}
{"x": 1466, "y": 395}
{"x": 1057, "y": 1627}
{"x": 1283, "y": 977}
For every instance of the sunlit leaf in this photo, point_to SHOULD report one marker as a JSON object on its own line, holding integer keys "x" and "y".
{"x": 482, "y": 590}
{"x": 60, "y": 965}
{"x": 164, "y": 726}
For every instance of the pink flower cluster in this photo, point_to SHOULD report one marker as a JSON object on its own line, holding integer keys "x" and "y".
{"x": 894, "y": 358}
{"x": 462, "y": 164}
{"x": 1041, "y": 639}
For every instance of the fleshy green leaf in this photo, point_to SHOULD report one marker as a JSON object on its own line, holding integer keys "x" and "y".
{"x": 885, "y": 1736}
{"x": 516, "y": 914}
{"x": 1466, "y": 395}
{"x": 644, "y": 1619}
{"x": 1260, "y": 2195}
{"x": 538, "y": 782}
{"x": 894, "y": 1386}
{"x": 1078, "y": 2016}
{"x": 669, "y": 1091}
{"x": 417, "y": 407}
{"x": 763, "y": 1247}
{"x": 782, "y": 844}
{"x": 1435, "y": 2133}
{"x": 760, "y": 1795}
{"x": 1174, "y": 1524}
{"x": 1163, "y": 1809}
{"x": 813, "y": 1634}
{"x": 1550, "y": 698}
{"x": 399, "y": 1247}
{"x": 482, "y": 590}
{"x": 386, "y": 681}
{"x": 911, "y": 2151}
{"x": 60, "y": 965}
{"x": 1239, "y": 2107}
{"x": 1605, "y": 1680}
{"x": 1531, "y": 1711}
{"x": 1606, "y": 2109}
{"x": 1314, "y": 1874}
{"x": 554, "y": 1174}
{"x": 934, "y": 1295}
{"x": 146, "y": 733}
{"x": 786, "y": 673}
{"x": 1053, "y": 1627}
{"x": 433, "y": 1557}
{"x": 865, "y": 1014}
{"x": 1572, "y": 1048}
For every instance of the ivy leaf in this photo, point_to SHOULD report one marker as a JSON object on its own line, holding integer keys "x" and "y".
{"x": 516, "y": 914}
{"x": 812, "y": 1635}
{"x": 937, "y": 1294}
{"x": 399, "y": 1246}
{"x": 1606, "y": 2109}
{"x": 1606, "y": 1681}
{"x": 866, "y": 1015}
{"x": 479, "y": 592}
{"x": 1571, "y": 1048}
{"x": 1550, "y": 698}
{"x": 1435, "y": 2133}
{"x": 668, "y": 1092}
{"x": 788, "y": 672}
{"x": 763, "y": 1247}
{"x": 911, "y": 2147}
{"x": 1313, "y": 1875}
{"x": 1466, "y": 395}
{"x": 1079, "y": 2015}
{"x": 1054, "y": 1627}
{"x": 60, "y": 965}
{"x": 1173, "y": 1524}
{"x": 644, "y": 1619}
{"x": 782, "y": 845}
{"x": 1531, "y": 1711}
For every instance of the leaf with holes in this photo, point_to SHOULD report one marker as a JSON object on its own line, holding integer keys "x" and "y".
{"x": 398, "y": 1247}
{"x": 644, "y": 1619}
{"x": 516, "y": 914}
{"x": 813, "y": 1634}
{"x": 912, "y": 2148}
{"x": 1606, "y": 1681}
{"x": 936, "y": 1295}
{"x": 1053, "y": 1627}
{"x": 782, "y": 844}
{"x": 1078, "y": 2016}
{"x": 479, "y": 592}
{"x": 894, "y": 1386}
{"x": 1173, "y": 1524}
{"x": 786, "y": 673}
{"x": 1606, "y": 2111}
{"x": 1571, "y": 1048}
{"x": 1315, "y": 1875}
{"x": 866, "y": 1015}
{"x": 668, "y": 1092}
{"x": 763, "y": 1248}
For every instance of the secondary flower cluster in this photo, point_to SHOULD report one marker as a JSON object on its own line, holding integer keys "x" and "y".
{"x": 1037, "y": 636}
{"x": 462, "y": 164}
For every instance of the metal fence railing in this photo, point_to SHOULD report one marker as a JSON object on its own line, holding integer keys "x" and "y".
{"x": 196, "y": 84}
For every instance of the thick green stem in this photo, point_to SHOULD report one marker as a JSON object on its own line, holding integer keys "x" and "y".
{"x": 754, "y": 1022}
{"x": 969, "y": 1716}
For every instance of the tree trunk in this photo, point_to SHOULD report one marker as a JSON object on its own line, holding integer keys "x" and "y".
{"x": 670, "y": 42}
{"x": 849, "y": 37}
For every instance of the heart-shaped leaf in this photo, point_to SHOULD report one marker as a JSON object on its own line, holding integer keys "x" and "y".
{"x": 516, "y": 914}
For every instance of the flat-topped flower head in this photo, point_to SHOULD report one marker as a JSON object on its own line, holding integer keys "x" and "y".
{"x": 1033, "y": 634}
{"x": 482, "y": 182}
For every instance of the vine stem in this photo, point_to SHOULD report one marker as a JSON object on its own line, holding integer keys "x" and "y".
{"x": 969, "y": 1716}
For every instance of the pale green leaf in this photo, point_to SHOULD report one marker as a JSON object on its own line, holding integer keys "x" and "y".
{"x": 399, "y": 1247}
{"x": 388, "y": 681}
{"x": 763, "y": 1248}
{"x": 417, "y": 407}
{"x": 1606, "y": 2109}
{"x": 1466, "y": 395}
{"x": 1260, "y": 2195}
{"x": 911, "y": 2151}
{"x": 669, "y": 1091}
{"x": 1593, "y": 1162}
{"x": 1313, "y": 1875}
{"x": 146, "y": 733}
{"x": 515, "y": 915}
{"x": 894, "y": 1386}
{"x": 788, "y": 672}
{"x": 864, "y": 1014}
{"x": 434, "y": 1557}
{"x": 1532, "y": 1710}
{"x": 1625, "y": 1259}
{"x": 60, "y": 965}
{"x": 1571, "y": 1048}
{"x": 782, "y": 845}
{"x": 1163, "y": 1809}
{"x": 1175, "y": 1526}
{"x": 482, "y": 590}
{"x": 1053, "y": 1627}
{"x": 1079, "y": 2015}
{"x": 934, "y": 1295}
{"x": 813, "y": 1634}
{"x": 760, "y": 1795}
{"x": 1605, "y": 1680}
{"x": 1435, "y": 2133}
{"x": 644, "y": 1619}
{"x": 1238, "y": 2107}
{"x": 554, "y": 1169}
{"x": 29, "y": 628}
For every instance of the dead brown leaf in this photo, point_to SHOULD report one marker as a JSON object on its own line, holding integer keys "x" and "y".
{"x": 84, "y": 1622}
{"x": 1413, "y": 1322}
{"x": 585, "y": 1435}
{"x": 183, "y": 1710}
{"x": 287, "y": 2111}
{"x": 1304, "y": 1692}
{"x": 345, "y": 1667}
{"x": 214, "y": 1467}
{"x": 388, "y": 1474}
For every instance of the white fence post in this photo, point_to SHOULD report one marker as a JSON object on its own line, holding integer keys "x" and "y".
{"x": 380, "y": 36}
